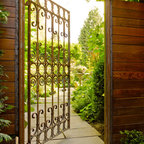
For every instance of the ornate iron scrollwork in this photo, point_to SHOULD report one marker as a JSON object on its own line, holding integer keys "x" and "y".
{"x": 48, "y": 69}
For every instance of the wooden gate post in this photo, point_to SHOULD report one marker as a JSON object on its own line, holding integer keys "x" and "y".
{"x": 21, "y": 70}
{"x": 108, "y": 72}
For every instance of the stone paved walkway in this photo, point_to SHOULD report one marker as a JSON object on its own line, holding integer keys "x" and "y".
{"x": 80, "y": 133}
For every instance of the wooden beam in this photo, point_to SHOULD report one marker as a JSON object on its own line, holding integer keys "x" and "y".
{"x": 21, "y": 70}
{"x": 108, "y": 72}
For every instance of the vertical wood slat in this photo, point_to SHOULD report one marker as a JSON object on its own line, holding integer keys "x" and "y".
{"x": 21, "y": 70}
{"x": 108, "y": 72}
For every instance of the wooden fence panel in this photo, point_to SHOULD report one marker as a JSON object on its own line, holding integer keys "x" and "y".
{"x": 9, "y": 60}
{"x": 128, "y": 67}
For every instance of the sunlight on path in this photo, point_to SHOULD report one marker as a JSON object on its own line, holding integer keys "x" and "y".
{"x": 80, "y": 133}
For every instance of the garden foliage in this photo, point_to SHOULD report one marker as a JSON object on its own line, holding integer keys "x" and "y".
{"x": 132, "y": 137}
{"x": 3, "y": 106}
{"x": 88, "y": 98}
{"x": 3, "y": 15}
{"x": 88, "y": 39}
{"x": 76, "y": 57}
{"x": 87, "y": 68}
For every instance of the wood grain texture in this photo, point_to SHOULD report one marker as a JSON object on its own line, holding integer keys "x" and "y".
{"x": 8, "y": 33}
{"x": 11, "y": 99}
{"x": 116, "y": 139}
{"x": 131, "y": 120}
{"x": 133, "y": 6}
{"x": 11, "y": 111}
{"x": 8, "y": 65}
{"x": 128, "y": 111}
{"x": 8, "y": 43}
{"x": 11, "y": 11}
{"x": 128, "y": 84}
{"x": 128, "y": 48}
{"x": 8, "y": 55}
{"x": 128, "y": 67}
{"x": 128, "y": 40}
{"x": 9, "y": 130}
{"x": 108, "y": 73}
{"x": 118, "y": 128}
{"x": 132, "y": 23}
{"x": 10, "y": 87}
{"x": 128, "y": 93}
{"x": 127, "y": 13}
{"x": 8, "y": 76}
{"x": 10, "y": 23}
{"x": 10, "y": 3}
{"x": 21, "y": 69}
{"x": 128, "y": 102}
{"x": 11, "y": 142}
{"x": 128, "y": 57}
{"x": 134, "y": 67}
{"x": 128, "y": 31}
{"x": 124, "y": 75}
{"x": 10, "y": 117}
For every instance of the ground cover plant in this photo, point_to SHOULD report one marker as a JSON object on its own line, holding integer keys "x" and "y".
{"x": 132, "y": 137}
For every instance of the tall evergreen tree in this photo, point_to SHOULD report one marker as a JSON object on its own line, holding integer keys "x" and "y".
{"x": 92, "y": 23}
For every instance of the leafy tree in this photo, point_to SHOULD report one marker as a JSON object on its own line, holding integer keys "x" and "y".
{"x": 91, "y": 30}
{"x": 88, "y": 98}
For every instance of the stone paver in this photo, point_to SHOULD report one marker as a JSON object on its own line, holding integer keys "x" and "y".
{"x": 83, "y": 140}
{"x": 80, "y": 133}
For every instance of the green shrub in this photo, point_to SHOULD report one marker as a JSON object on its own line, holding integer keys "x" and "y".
{"x": 132, "y": 137}
{"x": 43, "y": 95}
{"x": 98, "y": 81}
{"x": 82, "y": 95}
{"x": 88, "y": 99}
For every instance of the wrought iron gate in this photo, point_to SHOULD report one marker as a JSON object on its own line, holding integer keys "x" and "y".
{"x": 48, "y": 70}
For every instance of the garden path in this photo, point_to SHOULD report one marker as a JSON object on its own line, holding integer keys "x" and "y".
{"x": 80, "y": 132}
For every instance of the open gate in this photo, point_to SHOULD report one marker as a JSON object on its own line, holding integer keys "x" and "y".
{"x": 48, "y": 70}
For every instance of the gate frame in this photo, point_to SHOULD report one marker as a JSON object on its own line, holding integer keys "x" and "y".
{"x": 107, "y": 75}
{"x": 21, "y": 69}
